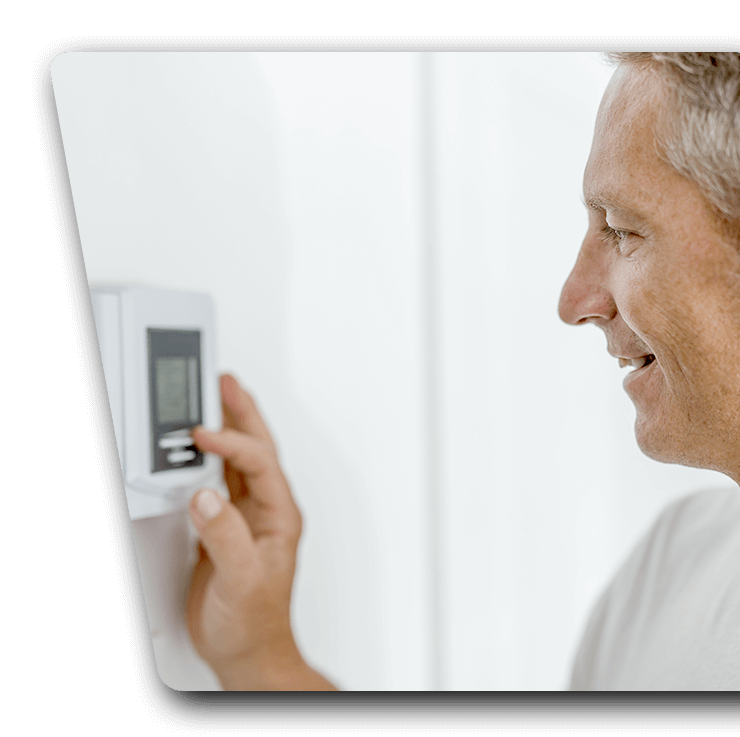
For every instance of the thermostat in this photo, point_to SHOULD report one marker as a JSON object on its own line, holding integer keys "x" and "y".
{"x": 158, "y": 351}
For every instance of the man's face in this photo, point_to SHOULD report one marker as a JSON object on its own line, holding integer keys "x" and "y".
{"x": 656, "y": 275}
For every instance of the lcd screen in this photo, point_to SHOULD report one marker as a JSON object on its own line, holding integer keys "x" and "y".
{"x": 172, "y": 389}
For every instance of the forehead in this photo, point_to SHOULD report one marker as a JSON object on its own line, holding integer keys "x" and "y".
{"x": 625, "y": 167}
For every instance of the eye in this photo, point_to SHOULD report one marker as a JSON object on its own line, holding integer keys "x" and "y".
{"x": 615, "y": 237}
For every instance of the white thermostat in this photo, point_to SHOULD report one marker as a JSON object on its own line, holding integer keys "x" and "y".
{"x": 159, "y": 359}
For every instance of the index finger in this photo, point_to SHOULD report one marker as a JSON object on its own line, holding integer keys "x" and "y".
{"x": 271, "y": 505}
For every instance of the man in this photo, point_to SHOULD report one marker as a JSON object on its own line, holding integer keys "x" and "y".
{"x": 659, "y": 273}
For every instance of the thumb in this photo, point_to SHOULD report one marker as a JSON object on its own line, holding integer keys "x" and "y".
{"x": 224, "y": 533}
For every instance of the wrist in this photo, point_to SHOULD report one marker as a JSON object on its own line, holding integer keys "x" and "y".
{"x": 260, "y": 670}
{"x": 277, "y": 668}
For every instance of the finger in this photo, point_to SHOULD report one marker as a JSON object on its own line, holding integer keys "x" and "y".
{"x": 224, "y": 534}
{"x": 239, "y": 418}
{"x": 240, "y": 410}
{"x": 234, "y": 479}
{"x": 257, "y": 461}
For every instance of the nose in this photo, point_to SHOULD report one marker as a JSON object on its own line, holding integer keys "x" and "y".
{"x": 586, "y": 296}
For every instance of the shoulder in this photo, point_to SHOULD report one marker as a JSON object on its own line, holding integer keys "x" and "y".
{"x": 664, "y": 557}
{"x": 699, "y": 516}
{"x": 695, "y": 511}
{"x": 674, "y": 536}
{"x": 687, "y": 528}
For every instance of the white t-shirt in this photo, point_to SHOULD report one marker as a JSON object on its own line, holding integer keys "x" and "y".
{"x": 670, "y": 619}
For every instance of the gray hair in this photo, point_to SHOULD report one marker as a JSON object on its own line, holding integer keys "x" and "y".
{"x": 701, "y": 138}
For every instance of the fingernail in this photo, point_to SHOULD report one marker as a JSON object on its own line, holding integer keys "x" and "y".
{"x": 208, "y": 504}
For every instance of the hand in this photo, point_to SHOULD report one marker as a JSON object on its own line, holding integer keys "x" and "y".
{"x": 239, "y": 600}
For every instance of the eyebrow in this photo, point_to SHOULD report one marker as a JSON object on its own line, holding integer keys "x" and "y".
{"x": 620, "y": 208}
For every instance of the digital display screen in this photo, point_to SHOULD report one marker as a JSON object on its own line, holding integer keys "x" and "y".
{"x": 177, "y": 386}
{"x": 175, "y": 402}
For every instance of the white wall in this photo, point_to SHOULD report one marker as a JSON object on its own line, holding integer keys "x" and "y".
{"x": 292, "y": 187}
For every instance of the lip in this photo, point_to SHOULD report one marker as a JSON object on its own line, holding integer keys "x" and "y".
{"x": 637, "y": 377}
{"x": 627, "y": 355}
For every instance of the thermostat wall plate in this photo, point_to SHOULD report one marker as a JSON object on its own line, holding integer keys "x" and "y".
{"x": 159, "y": 358}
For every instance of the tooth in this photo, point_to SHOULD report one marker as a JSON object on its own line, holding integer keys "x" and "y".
{"x": 623, "y": 362}
{"x": 638, "y": 363}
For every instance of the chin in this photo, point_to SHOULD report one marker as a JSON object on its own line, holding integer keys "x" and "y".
{"x": 657, "y": 440}
{"x": 664, "y": 442}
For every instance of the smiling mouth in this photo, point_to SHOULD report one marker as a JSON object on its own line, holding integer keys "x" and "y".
{"x": 638, "y": 363}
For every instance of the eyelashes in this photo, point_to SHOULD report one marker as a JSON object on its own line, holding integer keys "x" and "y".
{"x": 613, "y": 237}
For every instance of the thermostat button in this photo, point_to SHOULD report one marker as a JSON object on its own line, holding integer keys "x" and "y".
{"x": 177, "y": 442}
{"x": 180, "y": 456}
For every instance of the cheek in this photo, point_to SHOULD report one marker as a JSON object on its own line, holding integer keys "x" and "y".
{"x": 672, "y": 328}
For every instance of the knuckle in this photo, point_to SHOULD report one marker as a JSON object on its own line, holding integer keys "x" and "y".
{"x": 296, "y": 524}
{"x": 266, "y": 455}
{"x": 248, "y": 453}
